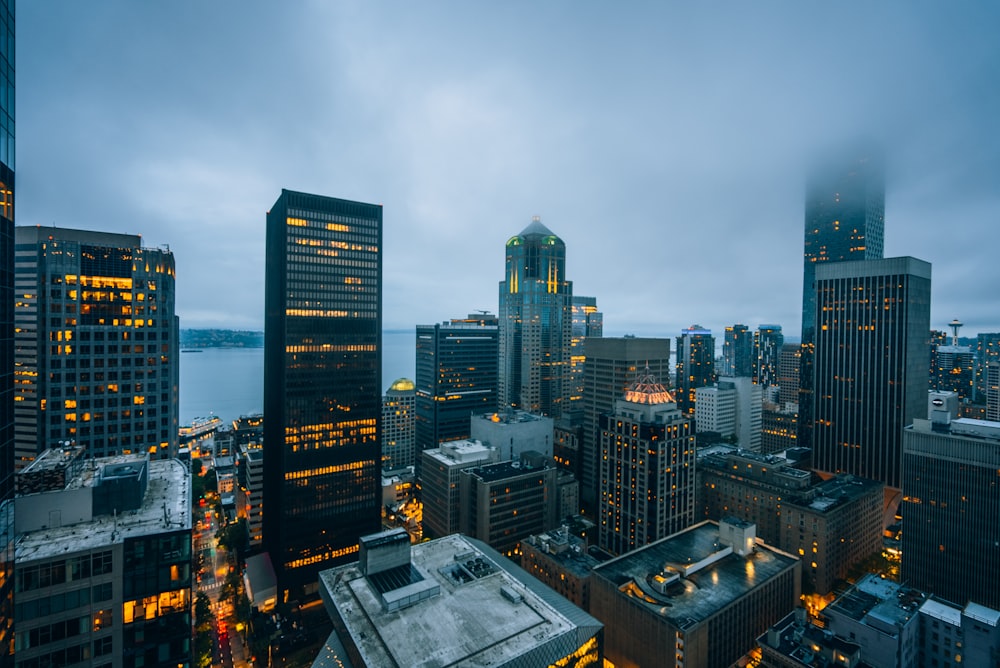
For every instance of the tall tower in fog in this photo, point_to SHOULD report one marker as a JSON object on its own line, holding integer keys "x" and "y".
{"x": 535, "y": 323}
{"x": 870, "y": 363}
{"x": 844, "y": 220}
{"x": 322, "y": 383}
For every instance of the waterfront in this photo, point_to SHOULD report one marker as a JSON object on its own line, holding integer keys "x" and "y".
{"x": 229, "y": 382}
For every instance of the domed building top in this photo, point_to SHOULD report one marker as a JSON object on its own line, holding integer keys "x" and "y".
{"x": 402, "y": 385}
{"x": 535, "y": 229}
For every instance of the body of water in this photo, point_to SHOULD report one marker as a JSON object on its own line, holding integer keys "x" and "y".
{"x": 229, "y": 382}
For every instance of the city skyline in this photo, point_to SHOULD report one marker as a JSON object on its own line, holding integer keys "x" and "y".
{"x": 645, "y": 134}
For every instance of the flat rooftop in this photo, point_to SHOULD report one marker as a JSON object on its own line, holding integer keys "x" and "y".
{"x": 473, "y": 621}
{"x": 567, "y": 550}
{"x": 699, "y": 595}
{"x": 881, "y": 604}
{"x": 166, "y": 507}
{"x": 503, "y": 471}
{"x": 835, "y": 492}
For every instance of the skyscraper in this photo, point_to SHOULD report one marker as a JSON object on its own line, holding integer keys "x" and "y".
{"x": 535, "y": 323}
{"x": 647, "y": 468}
{"x": 844, "y": 220}
{"x": 737, "y": 352}
{"x": 612, "y": 365}
{"x": 695, "y": 365}
{"x": 6, "y": 331}
{"x": 97, "y": 344}
{"x": 322, "y": 383}
{"x": 767, "y": 342}
{"x": 456, "y": 377}
{"x": 951, "y": 545}
{"x": 588, "y": 322}
{"x": 872, "y": 325}
{"x": 398, "y": 438}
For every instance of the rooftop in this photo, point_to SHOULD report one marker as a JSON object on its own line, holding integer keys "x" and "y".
{"x": 569, "y": 551}
{"x": 486, "y": 616}
{"x": 881, "y": 604}
{"x": 702, "y": 592}
{"x": 504, "y": 470}
{"x": 509, "y": 417}
{"x": 166, "y": 507}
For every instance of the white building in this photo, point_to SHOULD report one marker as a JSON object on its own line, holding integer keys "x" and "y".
{"x": 731, "y": 407}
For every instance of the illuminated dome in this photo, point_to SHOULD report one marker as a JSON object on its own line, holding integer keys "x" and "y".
{"x": 647, "y": 390}
{"x": 402, "y": 385}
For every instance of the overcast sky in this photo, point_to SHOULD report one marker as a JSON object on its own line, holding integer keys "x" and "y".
{"x": 664, "y": 143}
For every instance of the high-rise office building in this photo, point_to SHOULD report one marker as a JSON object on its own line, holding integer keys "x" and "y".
{"x": 647, "y": 468}
{"x": 737, "y": 352}
{"x": 870, "y": 363}
{"x": 588, "y": 322}
{"x": 695, "y": 365}
{"x": 953, "y": 367}
{"x": 767, "y": 343}
{"x": 844, "y": 220}
{"x": 951, "y": 495}
{"x": 987, "y": 352}
{"x": 398, "y": 434}
{"x": 322, "y": 383}
{"x": 612, "y": 365}
{"x": 993, "y": 391}
{"x": 96, "y": 355}
{"x": 789, "y": 365}
{"x": 535, "y": 323}
{"x": 456, "y": 377}
{"x": 6, "y": 331}
{"x": 732, "y": 408}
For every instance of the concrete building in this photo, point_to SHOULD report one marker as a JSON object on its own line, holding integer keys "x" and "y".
{"x": 952, "y": 635}
{"x": 103, "y": 373}
{"x": 514, "y": 432}
{"x": 453, "y": 601}
{"x": 560, "y": 560}
{"x": 881, "y": 617}
{"x": 536, "y": 303}
{"x": 103, "y": 562}
{"x": 951, "y": 497}
{"x": 504, "y": 502}
{"x": 456, "y": 377}
{"x": 439, "y": 479}
{"x": 398, "y": 435}
{"x": 697, "y": 598}
{"x": 870, "y": 369}
{"x": 612, "y": 365}
{"x": 768, "y": 342}
{"x": 733, "y": 409}
{"x": 829, "y": 524}
{"x": 647, "y": 468}
{"x": 250, "y": 490}
{"x": 993, "y": 391}
{"x": 795, "y": 642}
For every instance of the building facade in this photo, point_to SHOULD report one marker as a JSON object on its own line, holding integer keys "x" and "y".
{"x": 588, "y": 322}
{"x": 7, "y": 450}
{"x": 440, "y": 473}
{"x": 536, "y": 309}
{"x": 399, "y": 441}
{"x": 96, "y": 356}
{"x": 514, "y": 433}
{"x": 322, "y": 383}
{"x": 647, "y": 471}
{"x": 456, "y": 376}
{"x": 732, "y": 408}
{"x": 613, "y": 364}
{"x": 951, "y": 494}
{"x": 695, "y": 365}
{"x": 870, "y": 368}
{"x": 844, "y": 221}
{"x": 697, "y": 599}
{"x": 767, "y": 344}
{"x": 103, "y": 573}
{"x": 737, "y": 351}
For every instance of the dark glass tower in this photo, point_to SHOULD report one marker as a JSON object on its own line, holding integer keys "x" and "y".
{"x": 6, "y": 331}
{"x": 844, "y": 220}
{"x": 322, "y": 384}
{"x": 456, "y": 369}
{"x": 695, "y": 365}
{"x": 737, "y": 351}
{"x": 871, "y": 363}
{"x": 767, "y": 342}
{"x": 535, "y": 323}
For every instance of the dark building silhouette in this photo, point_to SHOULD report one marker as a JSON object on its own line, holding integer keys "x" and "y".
{"x": 456, "y": 376}
{"x": 951, "y": 494}
{"x": 870, "y": 367}
{"x": 844, "y": 220}
{"x": 535, "y": 323}
{"x": 737, "y": 351}
{"x": 767, "y": 343}
{"x": 97, "y": 349}
{"x": 322, "y": 383}
{"x": 7, "y": 333}
{"x": 695, "y": 365}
